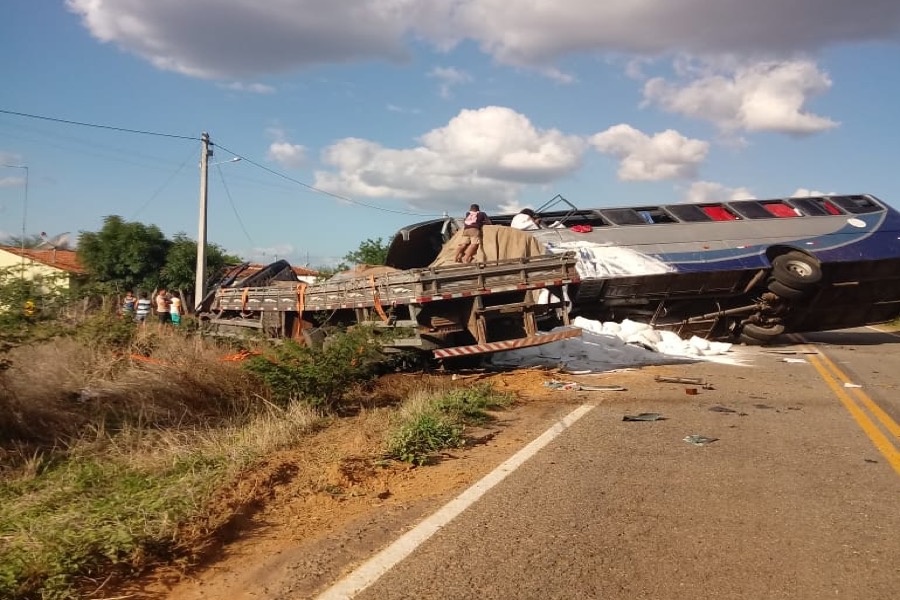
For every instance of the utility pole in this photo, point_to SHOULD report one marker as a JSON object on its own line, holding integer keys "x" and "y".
{"x": 200, "y": 281}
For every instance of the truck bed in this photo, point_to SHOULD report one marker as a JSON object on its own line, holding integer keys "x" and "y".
{"x": 415, "y": 286}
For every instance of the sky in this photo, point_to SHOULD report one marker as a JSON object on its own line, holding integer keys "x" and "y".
{"x": 353, "y": 118}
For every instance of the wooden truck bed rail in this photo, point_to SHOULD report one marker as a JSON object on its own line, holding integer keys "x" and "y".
{"x": 417, "y": 286}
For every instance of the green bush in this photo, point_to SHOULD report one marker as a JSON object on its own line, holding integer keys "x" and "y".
{"x": 415, "y": 440}
{"x": 470, "y": 405}
{"x": 322, "y": 376}
{"x": 435, "y": 422}
{"x": 106, "y": 330}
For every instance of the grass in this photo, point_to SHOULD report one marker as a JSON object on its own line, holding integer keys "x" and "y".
{"x": 123, "y": 501}
{"x": 431, "y": 421}
{"x": 113, "y": 441}
{"x": 124, "y": 448}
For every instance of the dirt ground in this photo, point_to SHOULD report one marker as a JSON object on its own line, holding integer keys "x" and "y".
{"x": 305, "y": 515}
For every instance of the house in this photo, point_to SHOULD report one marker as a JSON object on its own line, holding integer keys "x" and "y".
{"x": 60, "y": 266}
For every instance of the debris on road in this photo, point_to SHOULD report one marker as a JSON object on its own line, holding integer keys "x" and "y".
{"x": 578, "y": 387}
{"x": 700, "y": 440}
{"x": 693, "y": 380}
{"x": 644, "y": 417}
{"x": 722, "y": 409}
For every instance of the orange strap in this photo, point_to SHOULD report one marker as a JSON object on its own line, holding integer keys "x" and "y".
{"x": 376, "y": 300}
{"x": 301, "y": 297}
{"x": 244, "y": 293}
{"x": 239, "y": 356}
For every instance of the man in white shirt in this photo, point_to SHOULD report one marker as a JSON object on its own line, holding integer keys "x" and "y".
{"x": 526, "y": 220}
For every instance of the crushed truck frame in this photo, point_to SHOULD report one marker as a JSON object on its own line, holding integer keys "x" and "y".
{"x": 452, "y": 310}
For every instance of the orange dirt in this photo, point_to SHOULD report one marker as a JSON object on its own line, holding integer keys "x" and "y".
{"x": 302, "y": 516}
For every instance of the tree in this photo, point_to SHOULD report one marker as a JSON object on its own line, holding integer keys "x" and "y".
{"x": 180, "y": 270}
{"x": 17, "y": 241}
{"x": 370, "y": 252}
{"x": 124, "y": 254}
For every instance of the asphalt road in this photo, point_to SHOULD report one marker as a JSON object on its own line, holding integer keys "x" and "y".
{"x": 798, "y": 496}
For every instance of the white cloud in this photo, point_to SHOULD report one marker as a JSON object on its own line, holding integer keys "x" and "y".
{"x": 236, "y": 38}
{"x": 531, "y": 32}
{"x": 708, "y": 191}
{"x": 449, "y": 77}
{"x": 253, "y": 88}
{"x": 488, "y": 154}
{"x": 805, "y": 193}
{"x": 283, "y": 152}
{"x": 287, "y": 155}
{"x": 10, "y": 182}
{"x": 765, "y": 96}
{"x": 665, "y": 155}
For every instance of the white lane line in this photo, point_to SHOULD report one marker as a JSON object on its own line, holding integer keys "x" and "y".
{"x": 370, "y": 571}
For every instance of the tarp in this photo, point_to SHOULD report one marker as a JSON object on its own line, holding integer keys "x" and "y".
{"x": 498, "y": 243}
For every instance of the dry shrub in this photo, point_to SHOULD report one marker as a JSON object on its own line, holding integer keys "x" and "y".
{"x": 55, "y": 389}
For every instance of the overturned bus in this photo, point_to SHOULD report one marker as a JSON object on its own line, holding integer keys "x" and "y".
{"x": 746, "y": 270}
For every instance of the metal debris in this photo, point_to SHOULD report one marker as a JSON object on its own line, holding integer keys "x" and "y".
{"x": 644, "y": 417}
{"x": 577, "y": 387}
{"x": 690, "y": 380}
{"x": 700, "y": 440}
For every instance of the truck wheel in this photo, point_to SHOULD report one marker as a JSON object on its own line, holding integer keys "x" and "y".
{"x": 796, "y": 270}
{"x": 755, "y": 335}
{"x": 785, "y": 291}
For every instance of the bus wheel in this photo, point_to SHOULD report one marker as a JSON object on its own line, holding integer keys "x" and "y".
{"x": 755, "y": 335}
{"x": 785, "y": 291}
{"x": 796, "y": 270}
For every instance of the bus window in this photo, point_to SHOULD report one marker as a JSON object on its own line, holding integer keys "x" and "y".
{"x": 690, "y": 213}
{"x": 814, "y": 207}
{"x": 780, "y": 209}
{"x": 719, "y": 213}
{"x": 856, "y": 204}
{"x": 750, "y": 209}
{"x": 624, "y": 216}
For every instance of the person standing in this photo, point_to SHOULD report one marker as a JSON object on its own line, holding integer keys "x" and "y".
{"x": 162, "y": 307}
{"x": 175, "y": 309}
{"x": 142, "y": 308}
{"x": 471, "y": 240}
{"x": 128, "y": 305}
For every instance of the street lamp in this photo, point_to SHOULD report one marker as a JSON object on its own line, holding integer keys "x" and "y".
{"x": 24, "y": 211}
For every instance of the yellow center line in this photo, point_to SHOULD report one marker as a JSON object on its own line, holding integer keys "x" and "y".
{"x": 885, "y": 419}
{"x": 822, "y": 364}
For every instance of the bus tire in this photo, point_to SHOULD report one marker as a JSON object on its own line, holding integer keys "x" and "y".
{"x": 753, "y": 334}
{"x": 796, "y": 270}
{"x": 785, "y": 291}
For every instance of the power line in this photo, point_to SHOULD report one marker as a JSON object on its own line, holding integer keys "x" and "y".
{"x": 163, "y": 186}
{"x": 233, "y": 207}
{"x": 98, "y": 126}
{"x": 249, "y": 160}
{"x": 321, "y": 191}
